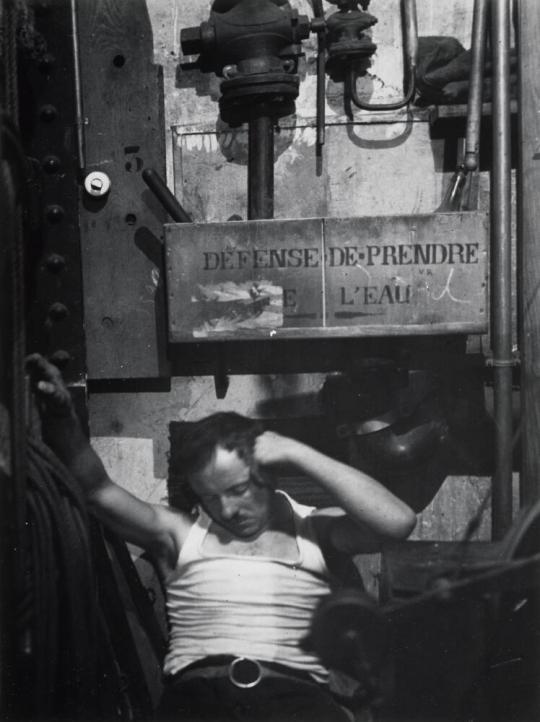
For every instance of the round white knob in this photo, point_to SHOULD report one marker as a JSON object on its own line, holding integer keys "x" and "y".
{"x": 97, "y": 183}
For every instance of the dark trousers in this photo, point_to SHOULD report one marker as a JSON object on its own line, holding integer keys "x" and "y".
{"x": 272, "y": 700}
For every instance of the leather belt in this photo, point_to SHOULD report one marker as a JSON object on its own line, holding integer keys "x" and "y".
{"x": 242, "y": 672}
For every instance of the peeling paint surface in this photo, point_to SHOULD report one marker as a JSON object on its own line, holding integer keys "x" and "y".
{"x": 235, "y": 307}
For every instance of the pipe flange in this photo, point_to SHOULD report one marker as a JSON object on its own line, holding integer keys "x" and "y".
{"x": 241, "y": 96}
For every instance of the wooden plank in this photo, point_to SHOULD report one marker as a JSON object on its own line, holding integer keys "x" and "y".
{"x": 121, "y": 233}
{"x": 313, "y": 278}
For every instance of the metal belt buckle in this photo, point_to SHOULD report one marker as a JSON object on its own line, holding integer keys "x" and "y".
{"x": 245, "y": 672}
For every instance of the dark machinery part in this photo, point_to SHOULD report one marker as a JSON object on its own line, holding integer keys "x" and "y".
{"x": 396, "y": 413}
{"x": 349, "y": 49}
{"x": 347, "y": 41}
{"x": 350, "y": 634}
{"x": 254, "y": 45}
{"x": 494, "y": 598}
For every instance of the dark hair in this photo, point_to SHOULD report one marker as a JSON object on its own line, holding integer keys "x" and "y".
{"x": 192, "y": 446}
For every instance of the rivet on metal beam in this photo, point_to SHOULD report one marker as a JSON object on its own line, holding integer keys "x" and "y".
{"x": 51, "y": 164}
{"x": 48, "y": 113}
{"x": 58, "y": 311}
{"x": 42, "y": 7}
{"x": 46, "y": 63}
{"x": 54, "y": 213}
{"x": 60, "y": 358}
{"x": 55, "y": 263}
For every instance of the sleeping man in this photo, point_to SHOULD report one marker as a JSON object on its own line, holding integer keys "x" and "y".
{"x": 245, "y": 573}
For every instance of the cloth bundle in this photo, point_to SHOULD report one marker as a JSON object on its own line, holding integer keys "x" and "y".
{"x": 443, "y": 70}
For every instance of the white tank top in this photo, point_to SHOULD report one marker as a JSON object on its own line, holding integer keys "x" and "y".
{"x": 247, "y": 606}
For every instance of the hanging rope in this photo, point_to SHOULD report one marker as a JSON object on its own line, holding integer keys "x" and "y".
{"x": 57, "y": 621}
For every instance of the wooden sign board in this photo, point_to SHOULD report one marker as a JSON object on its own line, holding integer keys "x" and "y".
{"x": 369, "y": 276}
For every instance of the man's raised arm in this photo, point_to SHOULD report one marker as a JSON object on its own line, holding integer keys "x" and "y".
{"x": 150, "y": 526}
{"x": 373, "y": 514}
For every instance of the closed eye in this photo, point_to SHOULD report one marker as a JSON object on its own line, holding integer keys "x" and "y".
{"x": 234, "y": 491}
{"x": 239, "y": 489}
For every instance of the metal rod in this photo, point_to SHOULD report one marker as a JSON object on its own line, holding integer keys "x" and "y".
{"x": 261, "y": 165}
{"x": 410, "y": 51}
{"x": 501, "y": 270}
{"x": 410, "y": 21}
{"x": 167, "y": 199}
{"x": 528, "y": 192}
{"x": 319, "y": 26}
{"x": 78, "y": 90}
{"x": 476, "y": 83}
{"x": 452, "y": 198}
{"x": 321, "y": 94}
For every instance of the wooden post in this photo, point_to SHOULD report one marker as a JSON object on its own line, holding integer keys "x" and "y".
{"x": 528, "y": 28}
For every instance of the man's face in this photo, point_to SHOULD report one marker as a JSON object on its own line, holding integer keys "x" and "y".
{"x": 231, "y": 496}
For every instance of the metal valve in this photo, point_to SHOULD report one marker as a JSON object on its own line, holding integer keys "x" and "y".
{"x": 254, "y": 45}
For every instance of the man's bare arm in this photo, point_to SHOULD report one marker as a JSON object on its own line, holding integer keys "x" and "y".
{"x": 373, "y": 515}
{"x": 153, "y": 527}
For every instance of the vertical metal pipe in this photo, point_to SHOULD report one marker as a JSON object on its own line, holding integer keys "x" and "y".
{"x": 474, "y": 109}
{"x": 528, "y": 192}
{"x": 261, "y": 165}
{"x": 410, "y": 35}
{"x": 78, "y": 90}
{"x": 501, "y": 269}
{"x": 452, "y": 198}
{"x": 321, "y": 95}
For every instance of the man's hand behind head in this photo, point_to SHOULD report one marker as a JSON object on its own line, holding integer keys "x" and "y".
{"x": 272, "y": 448}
